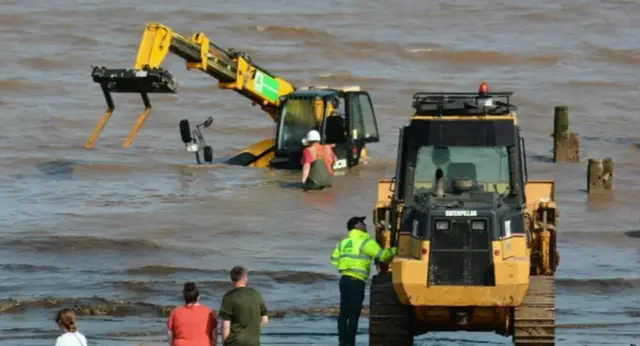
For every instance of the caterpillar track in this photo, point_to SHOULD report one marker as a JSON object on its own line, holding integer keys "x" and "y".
{"x": 390, "y": 323}
{"x": 534, "y": 319}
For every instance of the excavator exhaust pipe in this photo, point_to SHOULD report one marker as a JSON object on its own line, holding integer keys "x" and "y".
{"x": 143, "y": 81}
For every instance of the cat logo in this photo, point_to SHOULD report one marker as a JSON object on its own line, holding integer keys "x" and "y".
{"x": 461, "y": 213}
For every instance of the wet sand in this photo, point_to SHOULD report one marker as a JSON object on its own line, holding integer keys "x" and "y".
{"x": 117, "y": 232}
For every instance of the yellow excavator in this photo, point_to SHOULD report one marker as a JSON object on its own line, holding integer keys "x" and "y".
{"x": 344, "y": 116}
{"x": 476, "y": 237}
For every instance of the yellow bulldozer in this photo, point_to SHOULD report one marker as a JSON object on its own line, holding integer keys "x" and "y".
{"x": 476, "y": 238}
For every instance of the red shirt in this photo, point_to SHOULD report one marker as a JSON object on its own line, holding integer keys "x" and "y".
{"x": 191, "y": 325}
{"x": 309, "y": 155}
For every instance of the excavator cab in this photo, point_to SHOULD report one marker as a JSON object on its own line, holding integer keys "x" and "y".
{"x": 344, "y": 118}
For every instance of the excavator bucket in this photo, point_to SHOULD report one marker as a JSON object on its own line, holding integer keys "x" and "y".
{"x": 143, "y": 81}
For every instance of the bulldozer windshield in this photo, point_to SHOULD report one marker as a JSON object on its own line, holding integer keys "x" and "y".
{"x": 485, "y": 168}
{"x": 297, "y": 117}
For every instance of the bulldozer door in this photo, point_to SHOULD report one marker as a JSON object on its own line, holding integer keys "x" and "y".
{"x": 400, "y": 179}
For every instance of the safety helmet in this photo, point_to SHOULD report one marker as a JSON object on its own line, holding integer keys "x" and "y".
{"x": 312, "y": 136}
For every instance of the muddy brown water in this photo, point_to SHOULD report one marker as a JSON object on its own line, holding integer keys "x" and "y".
{"x": 117, "y": 232}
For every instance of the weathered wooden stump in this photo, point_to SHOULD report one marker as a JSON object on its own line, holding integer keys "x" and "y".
{"x": 600, "y": 175}
{"x": 566, "y": 147}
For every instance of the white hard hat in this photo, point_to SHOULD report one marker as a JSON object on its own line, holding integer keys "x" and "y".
{"x": 312, "y": 136}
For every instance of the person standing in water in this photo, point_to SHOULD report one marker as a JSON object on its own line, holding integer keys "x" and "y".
{"x": 66, "y": 320}
{"x": 317, "y": 163}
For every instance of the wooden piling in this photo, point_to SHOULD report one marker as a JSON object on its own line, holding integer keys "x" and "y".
{"x": 566, "y": 147}
{"x": 600, "y": 175}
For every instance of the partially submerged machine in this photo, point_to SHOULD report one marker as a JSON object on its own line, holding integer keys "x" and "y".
{"x": 476, "y": 237}
{"x": 344, "y": 116}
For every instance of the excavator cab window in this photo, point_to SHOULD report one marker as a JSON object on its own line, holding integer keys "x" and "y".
{"x": 362, "y": 118}
{"x": 297, "y": 117}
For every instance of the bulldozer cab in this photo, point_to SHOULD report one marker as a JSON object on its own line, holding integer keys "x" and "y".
{"x": 473, "y": 253}
{"x": 461, "y": 178}
{"x": 344, "y": 119}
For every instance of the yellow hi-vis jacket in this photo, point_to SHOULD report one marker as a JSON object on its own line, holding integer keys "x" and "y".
{"x": 353, "y": 254}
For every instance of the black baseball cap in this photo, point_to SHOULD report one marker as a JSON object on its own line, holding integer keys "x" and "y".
{"x": 351, "y": 224}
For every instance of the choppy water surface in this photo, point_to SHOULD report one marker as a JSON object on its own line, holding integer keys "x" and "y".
{"x": 117, "y": 232}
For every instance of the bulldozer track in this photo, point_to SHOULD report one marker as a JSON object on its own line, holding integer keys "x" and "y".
{"x": 534, "y": 319}
{"x": 390, "y": 322}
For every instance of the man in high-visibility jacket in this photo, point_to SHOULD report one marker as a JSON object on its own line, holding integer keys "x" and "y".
{"x": 352, "y": 256}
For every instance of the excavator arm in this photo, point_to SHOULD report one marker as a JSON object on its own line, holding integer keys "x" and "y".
{"x": 233, "y": 70}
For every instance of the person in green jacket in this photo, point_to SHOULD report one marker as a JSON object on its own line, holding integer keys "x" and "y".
{"x": 352, "y": 256}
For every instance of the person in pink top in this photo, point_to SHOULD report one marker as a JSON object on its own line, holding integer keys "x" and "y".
{"x": 192, "y": 324}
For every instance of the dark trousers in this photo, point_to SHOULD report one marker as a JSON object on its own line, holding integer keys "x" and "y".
{"x": 351, "y": 299}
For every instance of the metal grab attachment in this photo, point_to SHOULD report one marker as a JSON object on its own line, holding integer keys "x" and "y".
{"x": 143, "y": 81}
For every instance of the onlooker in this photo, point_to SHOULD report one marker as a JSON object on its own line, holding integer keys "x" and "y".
{"x": 192, "y": 324}
{"x": 242, "y": 311}
{"x": 66, "y": 320}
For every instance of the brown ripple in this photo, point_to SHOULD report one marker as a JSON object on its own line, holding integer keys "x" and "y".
{"x": 344, "y": 78}
{"x": 291, "y": 32}
{"x": 596, "y": 84}
{"x": 538, "y": 17}
{"x": 620, "y": 56}
{"x": 158, "y": 270}
{"x": 85, "y": 306}
{"x": 28, "y": 268}
{"x": 63, "y": 244}
{"x": 73, "y": 39}
{"x": 600, "y": 286}
{"x": 15, "y": 21}
{"x": 207, "y": 287}
{"x": 474, "y": 58}
{"x": 20, "y": 86}
{"x": 44, "y": 64}
{"x": 277, "y": 276}
{"x": 202, "y": 16}
{"x": 619, "y": 239}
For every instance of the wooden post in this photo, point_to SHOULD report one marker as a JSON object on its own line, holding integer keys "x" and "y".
{"x": 600, "y": 175}
{"x": 566, "y": 147}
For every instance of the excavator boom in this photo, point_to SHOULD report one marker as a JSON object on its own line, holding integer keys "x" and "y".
{"x": 233, "y": 70}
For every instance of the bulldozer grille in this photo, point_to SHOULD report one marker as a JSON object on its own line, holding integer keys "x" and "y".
{"x": 461, "y": 256}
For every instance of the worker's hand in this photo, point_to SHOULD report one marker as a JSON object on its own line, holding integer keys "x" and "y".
{"x": 394, "y": 250}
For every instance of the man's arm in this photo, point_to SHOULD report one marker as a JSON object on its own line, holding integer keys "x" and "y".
{"x": 306, "y": 168}
{"x": 226, "y": 329}
{"x": 335, "y": 256}
{"x": 371, "y": 248}
{"x": 212, "y": 326}
{"x": 263, "y": 312}
{"x": 307, "y": 158}
{"x": 224, "y": 313}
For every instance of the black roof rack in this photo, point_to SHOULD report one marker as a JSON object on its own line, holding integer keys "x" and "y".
{"x": 462, "y": 103}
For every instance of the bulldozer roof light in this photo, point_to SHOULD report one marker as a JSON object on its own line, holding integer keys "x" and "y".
{"x": 483, "y": 89}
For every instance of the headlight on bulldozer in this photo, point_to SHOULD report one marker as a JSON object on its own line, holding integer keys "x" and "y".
{"x": 442, "y": 225}
{"x": 478, "y": 225}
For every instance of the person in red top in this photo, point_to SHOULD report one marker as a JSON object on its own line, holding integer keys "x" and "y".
{"x": 314, "y": 174}
{"x": 192, "y": 324}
